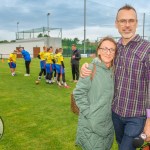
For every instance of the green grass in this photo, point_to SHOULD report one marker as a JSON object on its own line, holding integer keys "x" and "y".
{"x": 36, "y": 117}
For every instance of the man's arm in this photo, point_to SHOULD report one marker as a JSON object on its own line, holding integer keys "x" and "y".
{"x": 78, "y": 56}
{"x": 147, "y": 124}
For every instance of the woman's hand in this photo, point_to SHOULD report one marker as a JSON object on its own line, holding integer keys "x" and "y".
{"x": 85, "y": 71}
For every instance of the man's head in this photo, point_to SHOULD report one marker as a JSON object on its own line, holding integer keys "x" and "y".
{"x": 20, "y": 49}
{"x": 126, "y": 22}
{"x": 73, "y": 47}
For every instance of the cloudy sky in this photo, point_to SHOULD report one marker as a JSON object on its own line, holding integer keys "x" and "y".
{"x": 68, "y": 15}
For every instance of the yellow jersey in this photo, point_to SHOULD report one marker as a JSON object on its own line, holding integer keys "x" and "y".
{"x": 49, "y": 57}
{"x": 58, "y": 58}
{"x": 42, "y": 55}
{"x": 12, "y": 58}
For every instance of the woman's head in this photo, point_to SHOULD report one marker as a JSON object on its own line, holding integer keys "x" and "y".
{"x": 106, "y": 50}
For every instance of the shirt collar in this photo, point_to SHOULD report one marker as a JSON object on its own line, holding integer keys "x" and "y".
{"x": 137, "y": 38}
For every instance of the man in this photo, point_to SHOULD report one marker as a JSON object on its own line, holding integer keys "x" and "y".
{"x": 75, "y": 63}
{"x": 41, "y": 56}
{"x": 131, "y": 103}
{"x": 27, "y": 59}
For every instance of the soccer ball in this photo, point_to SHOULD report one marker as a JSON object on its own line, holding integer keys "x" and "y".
{"x": 37, "y": 82}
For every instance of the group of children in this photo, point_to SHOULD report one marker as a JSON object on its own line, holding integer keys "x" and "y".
{"x": 51, "y": 65}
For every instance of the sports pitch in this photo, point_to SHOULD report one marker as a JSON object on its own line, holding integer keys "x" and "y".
{"x": 36, "y": 116}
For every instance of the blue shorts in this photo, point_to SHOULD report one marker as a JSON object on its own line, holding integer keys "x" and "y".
{"x": 54, "y": 66}
{"x": 12, "y": 65}
{"x": 59, "y": 69}
{"x": 49, "y": 68}
{"x": 42, "y": 64}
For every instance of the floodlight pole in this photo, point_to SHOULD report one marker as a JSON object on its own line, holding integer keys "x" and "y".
{"x": 48, "y": 14}
{"x": 84, "y": 25}
{"x": 17, "y": 30}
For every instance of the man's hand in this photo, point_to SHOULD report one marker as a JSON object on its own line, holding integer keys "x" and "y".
{"x": 147, "y": 129}
{"x": 84, "y": 71}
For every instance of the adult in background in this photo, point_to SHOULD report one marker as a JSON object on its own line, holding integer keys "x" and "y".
{"x": 27, "y": 59}
{"x": 131, "y": 103}
{"x": 75, "y": 58}
{"x": 94, "y": 98}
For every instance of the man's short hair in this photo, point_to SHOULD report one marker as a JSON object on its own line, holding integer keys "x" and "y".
{"x": 126, "y": 7}
{"x": 74, "y": 45}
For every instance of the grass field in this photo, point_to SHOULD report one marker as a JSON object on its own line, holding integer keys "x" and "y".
{"x": 36, "y": 117}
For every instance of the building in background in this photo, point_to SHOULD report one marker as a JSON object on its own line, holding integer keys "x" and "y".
{"x": 32, "y": 41}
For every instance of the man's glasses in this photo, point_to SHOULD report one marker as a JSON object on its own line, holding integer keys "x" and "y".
{"x": 123, "y": 22}
{"x": 105, "y": 50}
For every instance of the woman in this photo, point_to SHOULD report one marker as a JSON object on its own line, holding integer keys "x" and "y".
{"x": 94, "y": 97}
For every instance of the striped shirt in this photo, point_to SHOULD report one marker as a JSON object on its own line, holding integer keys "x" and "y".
{"x": 132, "y": 76}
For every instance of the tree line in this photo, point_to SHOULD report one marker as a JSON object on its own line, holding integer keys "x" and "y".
{"x": 67, "y": 43}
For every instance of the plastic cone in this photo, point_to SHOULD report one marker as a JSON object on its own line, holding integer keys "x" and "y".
{"x": 2, "y": 60}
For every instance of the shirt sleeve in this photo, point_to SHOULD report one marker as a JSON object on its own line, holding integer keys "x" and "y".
{"x": 148, "y": 83}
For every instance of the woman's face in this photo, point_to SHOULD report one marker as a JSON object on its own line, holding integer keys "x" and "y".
{"x": 106, "y": 52}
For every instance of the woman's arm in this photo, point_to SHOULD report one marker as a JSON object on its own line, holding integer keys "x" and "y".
{"x": 81, "y": 95}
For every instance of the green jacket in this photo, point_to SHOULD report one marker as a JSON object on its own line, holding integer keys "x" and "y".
{"x": 94, "y": 97}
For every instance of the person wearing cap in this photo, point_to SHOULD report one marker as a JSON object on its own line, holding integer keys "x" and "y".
{"x": 75, "y": 58}
{"x": 12, "y": 62}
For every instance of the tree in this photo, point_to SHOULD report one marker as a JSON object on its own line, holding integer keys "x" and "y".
{"x": 40, "y": 35}
{"x": 76, "y": 41}
{"x": 5, "y": 41}
{"x": 45, "y": 35}
{"x": 13, "y": 41}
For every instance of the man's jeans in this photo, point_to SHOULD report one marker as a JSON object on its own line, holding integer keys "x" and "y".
{"x": 126, "y": 129}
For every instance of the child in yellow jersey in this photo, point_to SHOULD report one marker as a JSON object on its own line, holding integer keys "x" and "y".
{"x": 60, "y": 67}
{"x": 55, "y": 78}
{"x": 41, "y": 56}
{"x": 49, "y": 57}
{"x": 12, "y": 62}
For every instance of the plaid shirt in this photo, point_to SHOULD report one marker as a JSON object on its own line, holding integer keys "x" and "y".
{"x": 132, "y": 76}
